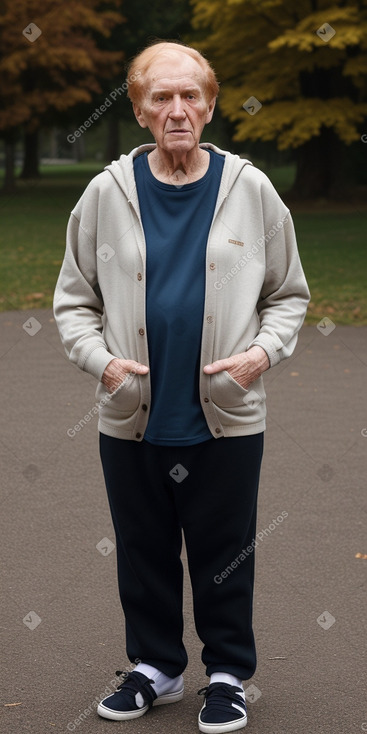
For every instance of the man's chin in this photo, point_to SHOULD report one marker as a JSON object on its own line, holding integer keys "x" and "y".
{"x": 174, "y": 144}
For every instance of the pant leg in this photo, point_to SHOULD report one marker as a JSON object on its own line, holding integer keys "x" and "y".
{"x": 148, "y": 543}
{"x": 217, "y": 508}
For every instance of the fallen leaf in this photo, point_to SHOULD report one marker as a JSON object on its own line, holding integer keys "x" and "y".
{"x": 13, "y": 704}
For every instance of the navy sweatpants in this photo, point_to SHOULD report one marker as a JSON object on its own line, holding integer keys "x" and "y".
{"x": 209, "y": 491}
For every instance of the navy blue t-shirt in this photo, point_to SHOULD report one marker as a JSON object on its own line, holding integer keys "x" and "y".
{"x": 176, "y": 222}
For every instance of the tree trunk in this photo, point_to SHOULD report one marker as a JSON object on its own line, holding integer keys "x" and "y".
{"x": 30, "y": 163}
{"x": 79, "y": 150}
{"x": 322, "y": 170}
{"x": 53, "y": 143}
{"x": 9, "y": 180}
{"x": 112, "y": 150}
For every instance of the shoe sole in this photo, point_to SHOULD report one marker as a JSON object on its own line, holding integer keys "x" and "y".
{"x": 222, "y": 728}
{"x": 107, "y": 713}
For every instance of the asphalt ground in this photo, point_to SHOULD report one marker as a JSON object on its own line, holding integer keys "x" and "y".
{"x": 62, "y": 624}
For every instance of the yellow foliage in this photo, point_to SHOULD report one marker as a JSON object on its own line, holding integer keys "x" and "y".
{"x": 304, "y": 78}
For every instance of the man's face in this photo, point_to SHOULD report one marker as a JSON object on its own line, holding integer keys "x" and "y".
{"x": 174, "y": 106}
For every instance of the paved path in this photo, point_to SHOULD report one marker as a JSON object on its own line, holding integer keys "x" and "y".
{"x": 310, "y": 601}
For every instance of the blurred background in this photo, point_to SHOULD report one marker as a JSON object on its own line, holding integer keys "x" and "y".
{"x": 293, "y": 100}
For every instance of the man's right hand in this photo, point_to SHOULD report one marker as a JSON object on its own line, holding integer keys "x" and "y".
{"x": 118, "y": 369}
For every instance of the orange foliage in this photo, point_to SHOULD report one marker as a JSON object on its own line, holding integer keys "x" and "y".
{"x": 49, "y": 57}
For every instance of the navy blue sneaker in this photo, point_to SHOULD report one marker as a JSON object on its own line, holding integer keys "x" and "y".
{"x": 134, "y": 697}
{"x": 224, "y": 708}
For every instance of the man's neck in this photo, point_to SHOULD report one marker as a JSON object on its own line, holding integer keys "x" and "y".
{"x": 179, "y": 169}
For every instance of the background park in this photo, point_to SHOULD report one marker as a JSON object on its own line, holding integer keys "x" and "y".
{"x": 309, "y": 136}
{"x": 293, "y": 100}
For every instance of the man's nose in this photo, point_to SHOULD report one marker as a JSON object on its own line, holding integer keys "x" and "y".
{"x": 177, "y": 108}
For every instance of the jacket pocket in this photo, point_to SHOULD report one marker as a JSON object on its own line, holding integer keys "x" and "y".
{"x": 226, "y": 392}
{"x": 125, "y": 400}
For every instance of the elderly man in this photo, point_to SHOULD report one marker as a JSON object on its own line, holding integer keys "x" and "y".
{"x": 181, "y": 285}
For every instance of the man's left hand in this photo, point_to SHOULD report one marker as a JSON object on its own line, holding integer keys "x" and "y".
{"x": 244, "y": 367}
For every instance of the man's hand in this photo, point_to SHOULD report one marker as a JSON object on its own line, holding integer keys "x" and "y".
{"x": 244, "y": 367}
{"x": 118, "y": 369}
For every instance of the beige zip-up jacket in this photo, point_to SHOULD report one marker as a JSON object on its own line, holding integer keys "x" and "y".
{"x": 255, "y": 293}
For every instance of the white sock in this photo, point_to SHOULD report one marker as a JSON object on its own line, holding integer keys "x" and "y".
{"x": 226, "y": 678}
{"x": 162, "y": 683}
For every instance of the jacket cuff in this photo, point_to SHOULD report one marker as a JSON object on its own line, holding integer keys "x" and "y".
{"x": 97, "y": 362}
{"x": 267, "y": 343}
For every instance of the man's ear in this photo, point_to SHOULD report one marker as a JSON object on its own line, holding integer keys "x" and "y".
{"x": 138, "y": 112}
{"x": 211, "y": 106}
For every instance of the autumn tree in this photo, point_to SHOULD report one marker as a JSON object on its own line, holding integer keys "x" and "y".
{"x": 143, "y": 21}
{"x": 50, "y": 61}
{"x": 295, "y": 73}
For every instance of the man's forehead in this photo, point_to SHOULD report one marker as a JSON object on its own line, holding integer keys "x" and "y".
{"x": 174, "y": 69}
{"x": 176, "y": 80}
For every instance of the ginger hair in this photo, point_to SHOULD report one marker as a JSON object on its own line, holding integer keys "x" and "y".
{"x": 140, "y": 64}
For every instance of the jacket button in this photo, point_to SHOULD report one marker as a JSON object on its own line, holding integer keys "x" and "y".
{"x": 217, "y": 430}
{"x": 206, "y": 400}
{"x": 212, "y": 266}
{"x": 139, "y": 276}
{"x": 141, "y": 332}
{"x": 209, "y": 319}
{"x": 138, "y": 435}
{"x": 144, "y": 407}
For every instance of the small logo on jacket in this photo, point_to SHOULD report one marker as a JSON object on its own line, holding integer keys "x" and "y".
{"x": 236, "y": 242}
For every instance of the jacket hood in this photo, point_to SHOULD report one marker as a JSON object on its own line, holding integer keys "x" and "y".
{"x": 123, "y": 169}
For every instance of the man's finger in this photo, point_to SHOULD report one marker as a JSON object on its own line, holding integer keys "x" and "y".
{"x": 129, "y": 365}
{"x": 142, "y": 369}
{"x": 218, "y": 366}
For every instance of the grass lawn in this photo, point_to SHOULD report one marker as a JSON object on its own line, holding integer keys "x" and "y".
{"x": 32, "y": 234}
{"x": 32, "y": 240}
